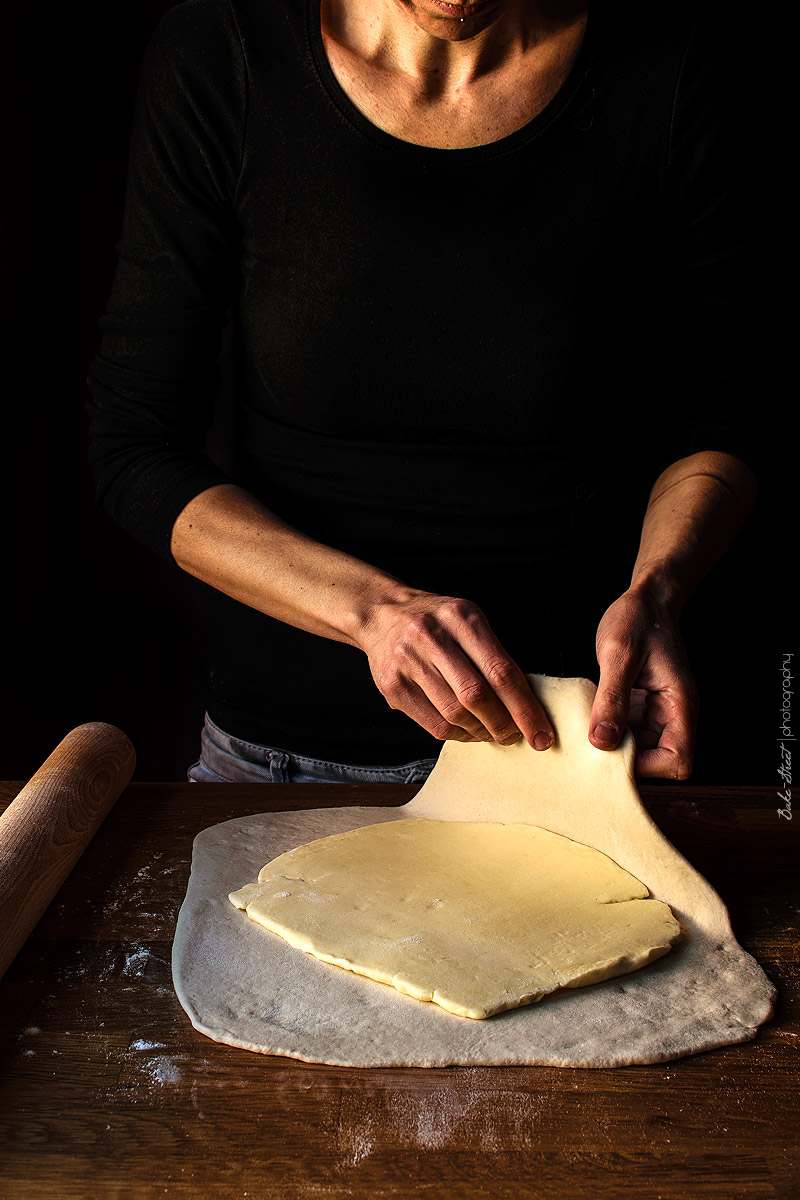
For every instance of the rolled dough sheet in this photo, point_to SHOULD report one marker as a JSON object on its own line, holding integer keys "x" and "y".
{"x": 475, "y": 916}
{"x": 247, "y": 987}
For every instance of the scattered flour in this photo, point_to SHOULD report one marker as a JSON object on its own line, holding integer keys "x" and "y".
{"x": 159, "y": 1070}
{"x": 444, "y": 1117}
{"x": 136, "y": 961}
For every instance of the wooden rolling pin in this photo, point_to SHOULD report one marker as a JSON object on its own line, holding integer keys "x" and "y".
{"x": 44, "y": 831}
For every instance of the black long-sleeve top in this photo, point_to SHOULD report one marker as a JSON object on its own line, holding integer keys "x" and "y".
{"x": 463, "y": 366}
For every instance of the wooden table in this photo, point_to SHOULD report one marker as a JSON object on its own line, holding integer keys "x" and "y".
{"x": 108, "y": 1091}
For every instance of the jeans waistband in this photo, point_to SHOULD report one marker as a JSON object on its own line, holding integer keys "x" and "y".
{"x": 224, "y": 758}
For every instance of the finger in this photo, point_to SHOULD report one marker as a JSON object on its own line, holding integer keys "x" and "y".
{"x": 411, "y": 700}
{"x": 454, "y": 687}
{"x": 674, "y": 713}
{"x": 412, "y": 683}
{"x": 641, "y": 721}
{"x": 498, "y": 693}
{"x": 511, "y": 685}
{"x": 663, "y": 762}
{"x": 457, "y": 709}
{"x": 646, "y": 739}
{"x": 440, "y": 667}
{"x": 618, "y": 671}
{"x": 500, "y": 697}
{"x": 637, "y": 714}
{"x": 467, "y": 698}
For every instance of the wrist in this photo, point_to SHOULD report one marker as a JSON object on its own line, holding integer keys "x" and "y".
{"x": 659, "y": 586}
{"x": 375, "y": 605}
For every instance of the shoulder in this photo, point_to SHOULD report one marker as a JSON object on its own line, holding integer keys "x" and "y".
{"x": 192, "y": 21}
{"x": 661, "y": 36}
{"x": 193, "y": 28}
{"x": 659, "y": 59}
{"x": 194, "y": 34}
{"x": 195, "y": 50}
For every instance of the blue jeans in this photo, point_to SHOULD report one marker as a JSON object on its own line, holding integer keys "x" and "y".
{"x": 226, "y": 759}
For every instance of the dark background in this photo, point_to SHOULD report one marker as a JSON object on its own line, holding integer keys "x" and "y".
{"x": 98, "y": 628}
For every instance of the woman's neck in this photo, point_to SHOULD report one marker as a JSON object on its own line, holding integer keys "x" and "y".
{"x": 439, "y": 80}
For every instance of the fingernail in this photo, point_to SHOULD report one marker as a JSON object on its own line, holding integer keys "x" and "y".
{"x": 542, "y": 741}
{"x": 607, "y": 733}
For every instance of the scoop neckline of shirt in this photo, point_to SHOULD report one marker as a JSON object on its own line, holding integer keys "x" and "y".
{"x": 512, "y": 141}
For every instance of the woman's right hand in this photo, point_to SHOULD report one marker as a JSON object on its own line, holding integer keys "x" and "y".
{"x": 432, "y": 657}
{"x": 436, "y": 659}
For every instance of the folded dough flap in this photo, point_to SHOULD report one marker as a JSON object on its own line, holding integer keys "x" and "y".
{"x": 573, "y": 789}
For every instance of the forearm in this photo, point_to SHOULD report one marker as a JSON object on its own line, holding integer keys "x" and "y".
{"x": 229, "y": 540}
{"x": 696, "y": 507}
{"x": 433, "y": 657}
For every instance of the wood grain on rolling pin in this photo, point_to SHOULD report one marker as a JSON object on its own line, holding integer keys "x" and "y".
{"x": 44, "y": 831}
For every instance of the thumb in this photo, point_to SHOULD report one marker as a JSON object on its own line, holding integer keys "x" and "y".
{"x": 611, "y": 706}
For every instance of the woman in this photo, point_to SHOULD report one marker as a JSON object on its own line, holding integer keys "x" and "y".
{"x": 474, "y": 252}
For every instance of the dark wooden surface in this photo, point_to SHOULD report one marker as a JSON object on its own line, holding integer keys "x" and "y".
{"x": 107, "y": 1090}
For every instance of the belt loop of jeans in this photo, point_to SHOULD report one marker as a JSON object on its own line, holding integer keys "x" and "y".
{"x": 279, "y": 766}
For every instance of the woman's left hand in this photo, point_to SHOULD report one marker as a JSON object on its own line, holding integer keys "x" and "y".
{"x": 645, "y": 682}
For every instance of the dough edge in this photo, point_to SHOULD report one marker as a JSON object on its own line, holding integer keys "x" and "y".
{"x": 638, "y": 1025}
